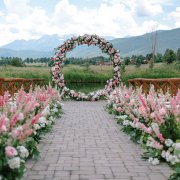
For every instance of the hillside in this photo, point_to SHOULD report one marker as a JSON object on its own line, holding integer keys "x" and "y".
{"x": 44, "y": 47}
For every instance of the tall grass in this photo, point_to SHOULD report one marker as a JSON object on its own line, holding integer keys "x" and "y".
{"x": 26, "y": 72}
{"x": 160, "y": 70}
{"x": 91, "y": 73}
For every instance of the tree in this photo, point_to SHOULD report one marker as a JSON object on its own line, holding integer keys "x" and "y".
{"x": 149, "y": 56}
{"x": 169, "y": 56}
{"x": 178, "y": 55}
{"x": 158, "y": 58}
{"x": 138, "y": 62}
{"x": 177, "y": 64}
{"x": 17, "y": 62}
{"x": 127, "y": 60}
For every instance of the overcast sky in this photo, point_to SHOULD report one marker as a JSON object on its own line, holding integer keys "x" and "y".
{"x": 30, "y": 19}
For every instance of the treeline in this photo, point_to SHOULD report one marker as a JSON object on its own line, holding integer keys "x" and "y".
{"x": 12, "y": 61}
{"x": 37, "y": 60}
{"x": 168, "y": 57}
{"x": 91, "y": 61}
{"x": 18, "y": 62}
{"x": 71, "y": 60}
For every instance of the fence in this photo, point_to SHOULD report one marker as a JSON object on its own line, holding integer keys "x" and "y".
{"x": 14, "y": 84}
{"x": 171, "y": 84}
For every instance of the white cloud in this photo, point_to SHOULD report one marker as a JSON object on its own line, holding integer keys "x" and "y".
{"x": 105, "y": 20}
{"x": 18, "y": 7}
{"x": 115, "y": 18}
{"x": 145, "y": 8}
{"x": 1, "y": 14}
{"x": 141, "y": 8}
{"x": 176, "y": 16}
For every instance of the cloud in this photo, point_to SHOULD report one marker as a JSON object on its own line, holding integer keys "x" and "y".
{"x": 105, "y": 20}
{"x": 146, "y": 8}
{"x": 175, "y": 15}
{"x": 1, "y": 14}
{"x": 18, "y": 7}
{"x": 141, "y": 8}
{"x": 115, "y": 18}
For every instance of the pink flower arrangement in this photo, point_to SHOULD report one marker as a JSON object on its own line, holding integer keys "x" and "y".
{"x": 69, "y": 45}
{"x": 19, "y": 124}
{"x": 154, "y": 119}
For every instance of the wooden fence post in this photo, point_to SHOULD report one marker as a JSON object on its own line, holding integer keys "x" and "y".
{"x": 1, "y": 86}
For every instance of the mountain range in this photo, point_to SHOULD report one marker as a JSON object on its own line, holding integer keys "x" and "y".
{"x": 136, "y": 45}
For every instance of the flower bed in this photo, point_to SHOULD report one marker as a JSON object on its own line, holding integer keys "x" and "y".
{"x": 89, "y": 40}
{"x": 152, "y": 120}
{"x": 23, "y": 121}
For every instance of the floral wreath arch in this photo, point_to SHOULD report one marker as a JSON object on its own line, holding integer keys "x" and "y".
{"x": 69, "y": 45}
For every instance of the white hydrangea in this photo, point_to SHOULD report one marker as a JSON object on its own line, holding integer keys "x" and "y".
{"x": 155, "y": 161}
{"x": 126, "y": 122}
{"x": 123, "y": 117}
{"x": 36, "y": 126}
{"x": 176, "y": 146}
{"x": 149, "y": 144}
{"x": 51, "y": 118}
{"x": 168, "y": 156}
{"x": 55, "y": 110}
{"x": 46, "y": 111}
{"x": 173, "y": 159}
{"x": 42, "y": 120}
{"x": 14, "y": 163}
{"x": 132, "y": 124}
{"x": 42, "y": 124}
{"x": 163, "y": 154}
{"x": 150, "y": 159}
{"x": 168, "y": 142}
{"x": 72, "y": 91}
{"x": 66, "y": 89}
{"x": 23, "y": 151}
{"x": 154, "y": 126}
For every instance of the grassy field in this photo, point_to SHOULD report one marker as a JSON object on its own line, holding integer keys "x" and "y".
{"x": 91, "y": 73}
{"x": 160, "y": 70}
{"x": 26, "y": 72}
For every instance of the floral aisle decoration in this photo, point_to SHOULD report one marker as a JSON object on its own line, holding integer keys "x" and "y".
{"x": 152, "y": 120}
{"x": 89, "y": 40}
{"x": 23, "y": 121}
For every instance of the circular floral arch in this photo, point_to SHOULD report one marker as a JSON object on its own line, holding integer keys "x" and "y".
{"x": 69, "y": 45}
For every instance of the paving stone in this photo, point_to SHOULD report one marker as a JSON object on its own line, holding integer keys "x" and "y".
{"x": 87, "y": 144}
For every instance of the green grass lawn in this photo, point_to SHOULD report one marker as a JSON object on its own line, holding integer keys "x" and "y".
{"x": 91, "y": 73}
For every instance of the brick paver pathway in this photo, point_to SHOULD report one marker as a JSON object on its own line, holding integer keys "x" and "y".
{"x": 86, "y": 144}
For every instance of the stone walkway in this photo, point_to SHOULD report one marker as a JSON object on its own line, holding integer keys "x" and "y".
{"x": 86, "y": 144}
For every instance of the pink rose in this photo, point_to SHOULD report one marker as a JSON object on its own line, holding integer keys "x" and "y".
{"x": 10, "y": 151}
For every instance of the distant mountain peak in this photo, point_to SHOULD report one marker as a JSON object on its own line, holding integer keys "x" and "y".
{"x": 134, "y": 45}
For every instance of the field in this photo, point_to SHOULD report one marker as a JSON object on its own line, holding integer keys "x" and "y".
{"x": 90, "y": 73}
